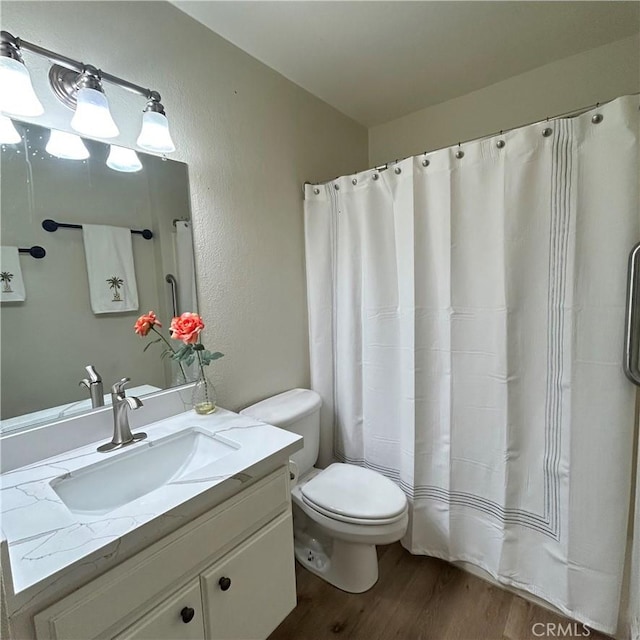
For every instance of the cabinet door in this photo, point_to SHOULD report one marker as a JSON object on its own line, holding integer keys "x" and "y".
{"x": 179, "y": 617}
{"x": 248, "y": 593}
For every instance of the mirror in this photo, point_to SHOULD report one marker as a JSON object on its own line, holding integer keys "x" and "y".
{"x": 49, "y": 338}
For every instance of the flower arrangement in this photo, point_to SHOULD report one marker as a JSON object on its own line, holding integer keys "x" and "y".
{"x": 187, "y": 329}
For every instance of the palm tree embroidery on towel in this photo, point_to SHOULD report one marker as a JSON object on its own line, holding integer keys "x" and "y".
{"x": 5, "y": 278}
{"x": 115, "y": 283}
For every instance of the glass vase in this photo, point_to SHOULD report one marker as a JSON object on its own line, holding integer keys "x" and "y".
{"x": 204, "y": 395}
{"x": 177, "y": 377}
{"x": 183, "y": 374}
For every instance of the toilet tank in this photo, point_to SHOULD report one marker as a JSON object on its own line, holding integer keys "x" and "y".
{"x": 297, "y": 410}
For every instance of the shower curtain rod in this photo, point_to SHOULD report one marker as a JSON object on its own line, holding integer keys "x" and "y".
{"x": 574, "y": 113}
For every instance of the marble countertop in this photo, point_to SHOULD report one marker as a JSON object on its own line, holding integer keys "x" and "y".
{"x": 46, "y": 542}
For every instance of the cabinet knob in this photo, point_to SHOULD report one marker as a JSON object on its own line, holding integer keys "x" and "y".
{"x": 224, "y": 583}
{"x": 187, "y": 614}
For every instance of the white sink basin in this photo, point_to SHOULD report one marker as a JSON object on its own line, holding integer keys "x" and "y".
{"x": 117, "y": 480}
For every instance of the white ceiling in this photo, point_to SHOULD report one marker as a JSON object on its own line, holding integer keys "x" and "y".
{"x": 377, "y": 61}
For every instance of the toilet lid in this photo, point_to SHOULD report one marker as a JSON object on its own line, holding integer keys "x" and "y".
{"x": 352, "y": 491}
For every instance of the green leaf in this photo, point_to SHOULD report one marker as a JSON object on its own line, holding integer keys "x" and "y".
{"x": 198, "y": 347}
{"x": 207, "y": 357}
{"x": 150, "y": 343}
{"x": 182, "y": 352}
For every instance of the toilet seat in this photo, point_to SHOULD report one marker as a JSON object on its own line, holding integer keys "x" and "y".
{"x": 360, "y": 521}
{"x": 352, "y": 494}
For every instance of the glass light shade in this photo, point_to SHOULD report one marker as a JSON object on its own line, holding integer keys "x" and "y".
{"x": 67, "y": 146}
{"x": 92, "y": 116}
{"x": 154, "y": 135}
{"x": 8, "y": 133}
{"x": 121, "y": 159}
{"x": 17, "y": 96}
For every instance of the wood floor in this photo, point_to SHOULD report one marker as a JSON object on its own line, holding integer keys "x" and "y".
{"x": 418, "y": 598}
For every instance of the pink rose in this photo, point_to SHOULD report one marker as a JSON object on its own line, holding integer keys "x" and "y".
{"x": 187, "y": 327}
{"x": 144, "y": 323}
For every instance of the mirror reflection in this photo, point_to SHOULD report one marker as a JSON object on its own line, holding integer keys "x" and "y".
{"x": 77, "y": 305}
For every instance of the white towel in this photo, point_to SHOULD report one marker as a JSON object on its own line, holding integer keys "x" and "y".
{"x": 11, "y": 282}
{"x": 112, "y": 278}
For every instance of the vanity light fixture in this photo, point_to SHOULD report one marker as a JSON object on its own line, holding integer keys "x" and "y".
{"x": 67, "y": 146}
{"x": 122, "y": 159}
{"x": 8, "y": 132}
{"x": 17, "y": 96}
{"x": 79, "y": 86}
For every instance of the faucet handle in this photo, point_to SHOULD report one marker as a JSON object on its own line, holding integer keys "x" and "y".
{"x": 133, "y": 402}
{"x": 118, "y": 387}
{"x": 94, "y": 376}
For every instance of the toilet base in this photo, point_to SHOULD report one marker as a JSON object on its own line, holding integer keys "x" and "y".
{"x": 349, "y": 566}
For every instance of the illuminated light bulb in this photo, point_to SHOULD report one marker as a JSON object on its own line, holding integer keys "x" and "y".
{"x": 17, "y": 96}
{"x": 121, "y": 159}
{"x": 154, "y": 135}
{"x": 67, "y": 146}
{"x": 92, "y": 116}
{"x": 8, "y": 132}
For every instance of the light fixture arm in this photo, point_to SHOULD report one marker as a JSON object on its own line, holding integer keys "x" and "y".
{"x": 10, "y": 47}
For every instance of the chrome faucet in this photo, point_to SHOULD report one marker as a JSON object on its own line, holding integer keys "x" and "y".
{"x": 122, "y": 435}
{"x": 94, "y": 384}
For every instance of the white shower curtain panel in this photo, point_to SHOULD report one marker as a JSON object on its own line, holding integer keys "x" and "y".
{"x": 466, "y": 314}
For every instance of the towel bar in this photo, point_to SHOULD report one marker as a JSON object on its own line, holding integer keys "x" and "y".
{"x": 52, "y": 225}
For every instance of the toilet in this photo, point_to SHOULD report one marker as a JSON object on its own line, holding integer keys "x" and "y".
{"x": 340, "y": 513}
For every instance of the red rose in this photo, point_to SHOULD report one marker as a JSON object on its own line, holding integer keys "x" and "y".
{"x": 186, "y": 327}
{"x": 144, "y": 323}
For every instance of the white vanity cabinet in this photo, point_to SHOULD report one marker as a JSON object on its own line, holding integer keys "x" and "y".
{"x": 227, "y": 575}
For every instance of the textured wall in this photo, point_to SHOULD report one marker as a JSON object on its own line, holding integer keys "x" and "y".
{"x": 250, "y": 138}
{"x": 594, "y": 76}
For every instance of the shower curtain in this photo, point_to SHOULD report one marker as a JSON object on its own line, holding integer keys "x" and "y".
{"x": 466, "y": 312}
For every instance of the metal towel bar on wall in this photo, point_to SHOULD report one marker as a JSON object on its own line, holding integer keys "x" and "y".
{"x": 631, "y": 333}
{"x": 52, "y": 225}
